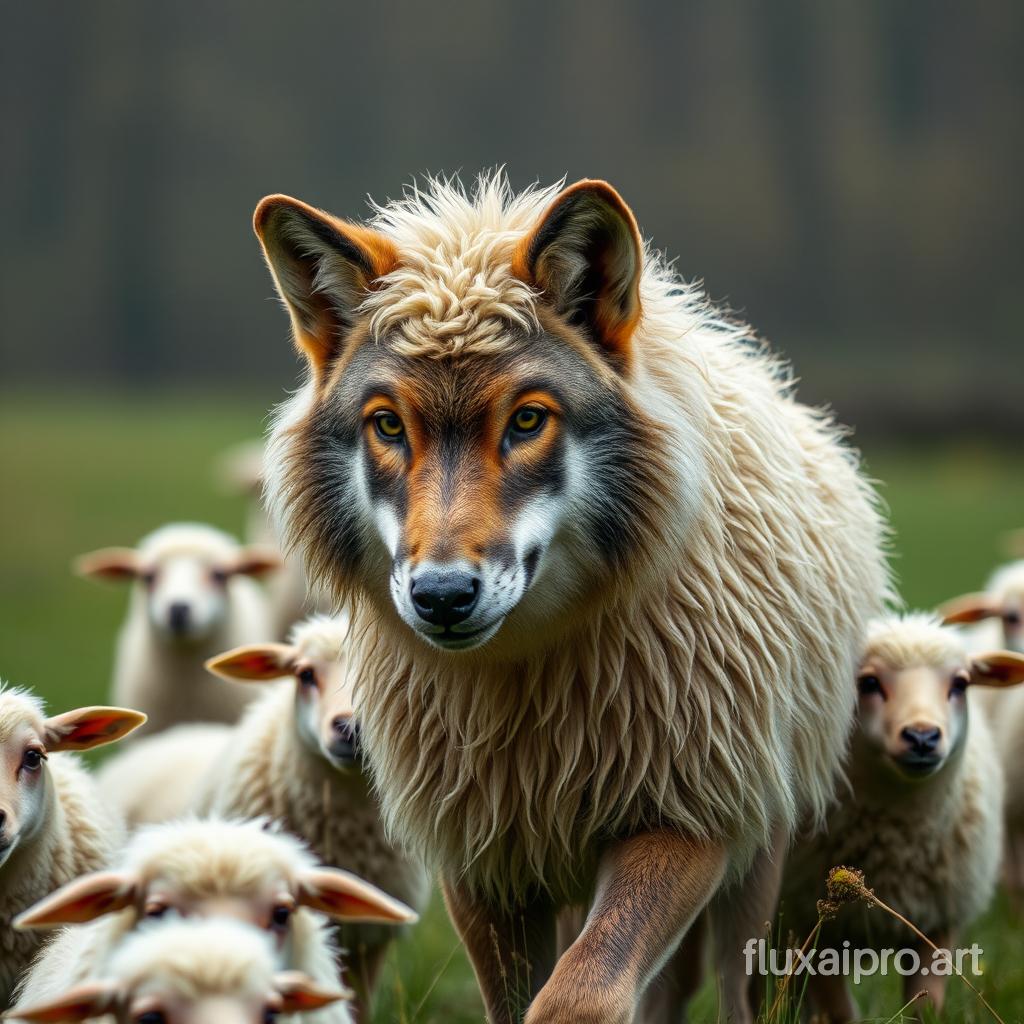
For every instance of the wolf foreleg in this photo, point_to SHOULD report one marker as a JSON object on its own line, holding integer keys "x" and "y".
{"x": 650, "y": 888}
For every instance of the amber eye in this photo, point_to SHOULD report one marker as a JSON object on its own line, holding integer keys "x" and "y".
{"x": 528, "y": 420}
{"x": 388, "y": 425}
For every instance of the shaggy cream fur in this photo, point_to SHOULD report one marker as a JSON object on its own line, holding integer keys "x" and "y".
{"x": 707, "y": 686}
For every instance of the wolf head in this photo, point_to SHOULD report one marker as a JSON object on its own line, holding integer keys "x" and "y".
{"x": 469, "y": 447}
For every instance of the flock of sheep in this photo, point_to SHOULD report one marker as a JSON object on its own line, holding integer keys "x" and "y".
{"x": 188, "y": 880}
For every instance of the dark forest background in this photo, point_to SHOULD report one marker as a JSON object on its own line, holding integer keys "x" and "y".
{"x": 846, "y": 175}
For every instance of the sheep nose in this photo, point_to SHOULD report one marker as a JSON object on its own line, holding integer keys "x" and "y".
{"x": 922, "y": 739}
{"x": 444, "y": 597}
{"x": 178, "y": 616}
{"x": 345, "y": 729}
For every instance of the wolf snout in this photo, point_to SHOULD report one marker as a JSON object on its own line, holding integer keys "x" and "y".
{"x": 444, "y": 597}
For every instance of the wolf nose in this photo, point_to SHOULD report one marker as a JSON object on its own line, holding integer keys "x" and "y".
{"x": 444, "y": 597}
{"x": 922, "y": 740}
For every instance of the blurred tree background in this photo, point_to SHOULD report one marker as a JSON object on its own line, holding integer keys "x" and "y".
{"x": 847, "y": 175}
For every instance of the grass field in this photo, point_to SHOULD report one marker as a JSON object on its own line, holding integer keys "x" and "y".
{"x": 82, "y": 474}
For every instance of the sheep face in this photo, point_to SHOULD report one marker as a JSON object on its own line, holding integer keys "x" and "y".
{"x": 184, "y": 576}
{"x": 1004, "y": 600}
{"x": 26, "y": 738}
{"x": 912, "y": 693}
{"x": 212, "y": 972}
{"x": 324, "y": 711}
{"x": 203, "y": 870}
{"x": 914, "y": 718}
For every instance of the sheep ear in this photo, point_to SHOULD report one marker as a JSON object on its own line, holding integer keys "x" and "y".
{"x": 84, "y": 899}
{"x": 109, "y": 564}
{"x": 300, "y": 993}
{"x": 83, "y": 1002}
{"x": 323, "y": 268}
{"x": 257, "y": 662}
{"x": 586, "y": 257}
{"x": 256, "y": 560}
{"x": 85, "y": 728}
{"x": 968, "y": 608}
{"x": 997, "y": 668}
{"x": 342, "y": 895}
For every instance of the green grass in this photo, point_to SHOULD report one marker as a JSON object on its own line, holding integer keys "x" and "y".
{"x": 79, "y": 474}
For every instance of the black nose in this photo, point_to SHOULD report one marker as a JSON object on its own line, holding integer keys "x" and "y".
{"x": 922, "y": 741}
{"x": 3, "y": 820}
{"x": 178, "y": 616}
{"x": 444, "y": 597}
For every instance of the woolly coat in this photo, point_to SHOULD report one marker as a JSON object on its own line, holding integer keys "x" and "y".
{"x": 80, "y": 835}
{"x": 706, "y": 686}
{"x": 268, "y": 771}
{"x": 929, "y": 850}
{"x": 77, "y": 953}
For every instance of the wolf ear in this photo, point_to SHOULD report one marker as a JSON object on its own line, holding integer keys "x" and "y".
{"x": 323, "y": 267}
{"x": 586, "y": 258}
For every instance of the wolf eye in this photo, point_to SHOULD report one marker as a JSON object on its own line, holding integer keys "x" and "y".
{"x": 388, "y": 425}
{"x": 868, "y": 685}
{"x": 528, "y": 420}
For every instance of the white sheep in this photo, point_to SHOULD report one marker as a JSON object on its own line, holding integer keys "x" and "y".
{"x": 996, "y": 616}
{"x": 204, "y": 868}
{"x": 214, "y": 971}
{"x": 53, "y": 825}
{"x": 290, "y": 593}
{"x": 922, "y": 816}
{"x": 296, "y": 759}
{"x": 193, "y": 596}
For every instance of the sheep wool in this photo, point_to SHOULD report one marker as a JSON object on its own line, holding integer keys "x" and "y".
{"x": 79, "y": 834}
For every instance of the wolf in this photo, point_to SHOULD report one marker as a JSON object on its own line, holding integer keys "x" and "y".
{"x": 607, "y": 578}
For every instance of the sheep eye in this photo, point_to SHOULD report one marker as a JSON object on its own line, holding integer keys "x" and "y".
{"x": 151, "y": 1017}
{"x": 280, "y": 916}
{"x": 32, "y": 759}
{"x": 306, "y": 676}
{"x": 149, "y": 577}
{"x": 219, "y": 576}
{"x": 869, "y": 685}
{"x": 959, "y": 685}
{"x": 270, "y": 1015}
{"x": 388, "y": 426}
{"x": 1011, "y": 618}
{"x": 155, "y": 910}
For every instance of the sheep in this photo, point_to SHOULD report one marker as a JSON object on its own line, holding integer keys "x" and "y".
{"x": 212, "y": 867}
{"x": 215, "y": 971}
{"x": 193, "y": 596}
{"x": 607, "y": 575}
{"x": 296, "y": 758}
{"x": 993, "y": 616}
{"x": 923, "y": 814}
{"x": 161, "y": 777}
{"x": 53, "y": 825}
{"x": 240, "y": 471}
